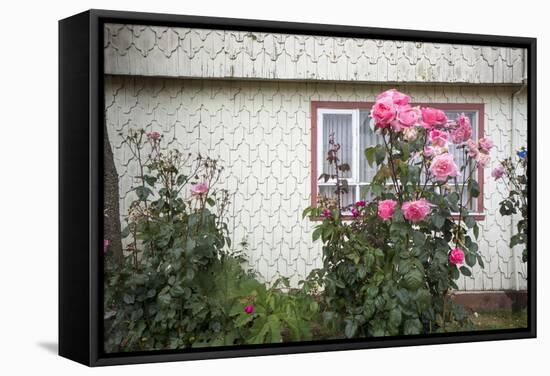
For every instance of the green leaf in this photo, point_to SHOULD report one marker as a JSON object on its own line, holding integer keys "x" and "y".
{"x": 128, "y": 299}
{"x": 395, "y": 317}
{"x": 125, "y": 232}
{"x": 470, "y": 259}
{"x": 379, "y": 154}
{"x": 465, "y": 271}
{"x": 412, "y": 326}
{"x": 423, "y": 300}
{"x": 455, "y": 274}
{"x": 369, "y": 154}
{"x": 181, "y": 179}
{"x": 476, "y": 230}
{"x": 480, "y": 261}
{"x": 151, "y": 180}
{"x": 210, "y": 201}
{"x": 142, "y": 192}
{"x": 469, "y": 221}
{"x": 473, "y": 188}
{"x": 413, "y": 279}
{"x": 351, "y": 328}
{"x": 438, "y": 221}
{"x": 419, "y": 238}
{"x": 317, "y": 233}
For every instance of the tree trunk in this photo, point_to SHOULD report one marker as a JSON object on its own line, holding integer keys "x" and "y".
{"x": 111, "y": 215}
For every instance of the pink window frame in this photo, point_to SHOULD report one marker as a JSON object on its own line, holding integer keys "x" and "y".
{"x": 315, "y": 105}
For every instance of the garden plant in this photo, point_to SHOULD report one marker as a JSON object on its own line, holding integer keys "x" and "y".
{"x": 390, "y": 262}
{"x": 514, "y": 176}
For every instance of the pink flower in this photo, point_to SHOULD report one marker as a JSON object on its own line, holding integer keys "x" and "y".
{"x": 249, "y": 309}
{"x": 410, "y": 134}
{"x": 199, "y": 189}
{"x": 463, "y": 130}
{"x": 398, "y": 98}
{"x": 483, "y": 160}
{"x": 383, "y": 112}
{"x": 354, "y": 212}
{"x": 456, "y": 256}
{"x": 326, "y": 212}
{"x": 439, "y": 138}
{"x": 105, "y": 245}
{"x": 443, "y": 166}
{"x": 415, "y": 211}
{"x": 485, "y": 144}
{"x": 386, "y": 208}
{"x": 428, "y": 151}
{"x": 498, "y": 172}
{"x": 471, "y": 146}
{"x": 361, "y": 203}
{"x": 153, "y": 135}
{"x": 406, "y": 118}
{"x": 432, "y": 117}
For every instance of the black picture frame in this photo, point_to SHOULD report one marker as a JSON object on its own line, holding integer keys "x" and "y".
{"x": 80, "y": 185}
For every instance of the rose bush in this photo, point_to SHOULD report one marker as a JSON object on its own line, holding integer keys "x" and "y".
{"x": 175, "y": 235}
{"x": 514, "y": 176}
{"x": 178, "y": 286}
{"x": 389, "y": 268}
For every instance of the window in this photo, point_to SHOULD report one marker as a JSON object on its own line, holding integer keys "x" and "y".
{"x": 351, "y": 125}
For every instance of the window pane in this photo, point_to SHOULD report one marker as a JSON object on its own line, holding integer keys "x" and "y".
{"x": 459, "y": 153}
{"x": 340, "y": 125}
{"x": 367, "y": 138}
{"x": 460, "y": 158}
{"x": 347, "y": 198}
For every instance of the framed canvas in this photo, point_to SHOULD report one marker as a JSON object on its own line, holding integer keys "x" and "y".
{"x": 234, "y": 187}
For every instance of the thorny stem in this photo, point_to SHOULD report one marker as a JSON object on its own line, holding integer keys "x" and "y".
{"x": 389, "y": 150}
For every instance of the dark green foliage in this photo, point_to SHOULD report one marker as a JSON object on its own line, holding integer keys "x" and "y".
{"x": 515, "y": 178}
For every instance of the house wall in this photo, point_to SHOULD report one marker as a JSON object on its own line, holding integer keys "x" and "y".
{"x": 204, "y": 53}
{"x": 261, "y": 132}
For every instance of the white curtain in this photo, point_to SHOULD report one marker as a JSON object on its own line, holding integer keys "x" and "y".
{"x": 341, "y": 126}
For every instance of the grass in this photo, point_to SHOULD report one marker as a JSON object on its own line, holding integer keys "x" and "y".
{"x": 501, "y": 319}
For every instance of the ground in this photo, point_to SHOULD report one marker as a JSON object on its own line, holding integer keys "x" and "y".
{"x": 499, "y": 320}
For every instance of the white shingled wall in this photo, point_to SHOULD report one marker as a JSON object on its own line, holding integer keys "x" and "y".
{"x": 203, "y": 53}
{"x": 260, "y": 130}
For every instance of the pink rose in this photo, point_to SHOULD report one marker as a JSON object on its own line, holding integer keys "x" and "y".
{"x": 456, "y": 256}
{"x": 386, "y": 208}
{"x": 463, "y": 130}
{"x": 397, "y": 97}
{"x": 383, "y": 112}
{"x": 354, "y": 212}
{"x": 483, "y": 160}
{"x": 429, "y": 151}
{"x": 406, "y": 118}
{"x": 415, "y": 211}
{"x": 471, "y": 146}
{"x": 432, "y": 117}
{"x": 439, "y": 138}
{"x": 410, "y": 134}
{"x": 463, "y": 120}
{"x": 443, "y": 166}
{"x": 326, "y": 212}
{"x": 498, "y": 172}
{"x": 153, "y": 135}
{"x": 485, "y": 144}
{"x": 249, "y": 309}
{"x": 105, "y": 245}
{"x": 199, "y": 189}
{"x": 361, "y": 203}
